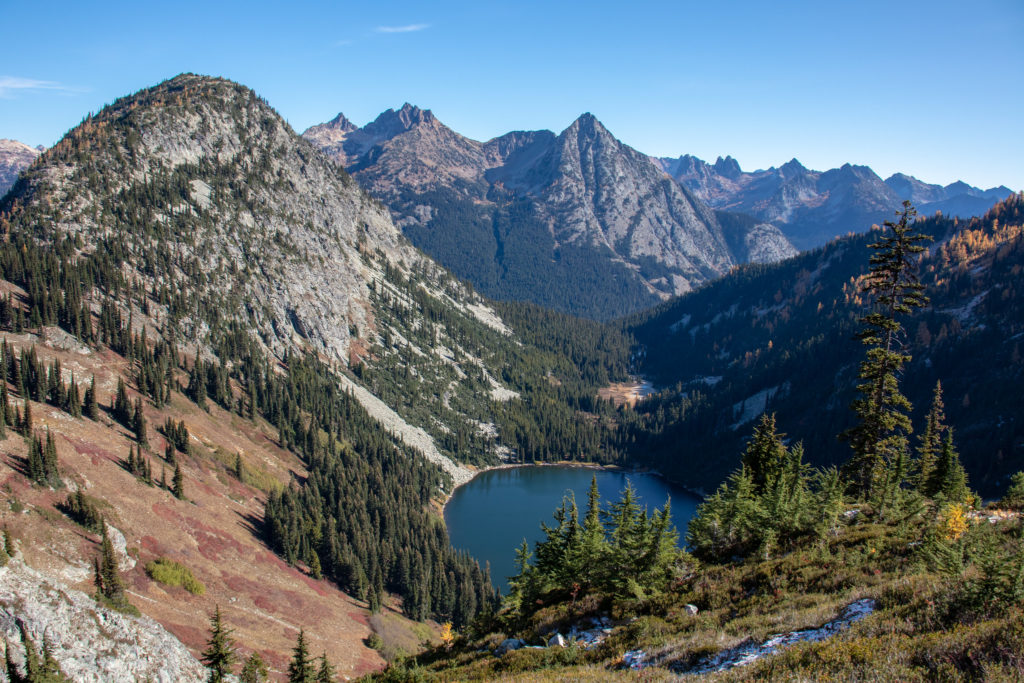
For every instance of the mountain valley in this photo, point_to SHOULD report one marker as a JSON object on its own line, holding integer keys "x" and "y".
{"x": 242, "y": 371}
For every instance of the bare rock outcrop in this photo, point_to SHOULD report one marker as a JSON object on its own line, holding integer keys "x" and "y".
{"x": 90, "y": 642}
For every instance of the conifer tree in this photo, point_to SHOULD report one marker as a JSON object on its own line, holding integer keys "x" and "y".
{"x": 254, "y": 670}
{"x": 879, "y": 440}
{"x": 593, "y": 547}
{"x": 326, "y": 673}
{"x": 178, "y": 483}
{"x": 219, "y": 654}
{"x": 26, "y": 419}
{"x": 74, "y": 400}
{"x": 930, "y": 442}
{"x": 139, "y": 424}
{"x": 948, "y": 479}
{"x": 8, "y": 542}
{"x": 300, "y": 669}
{"x": 765, "y": 455}
{"x": 5, "y": 404}
{"x": 92, "y": 407}
{"x": 122, "y": 407}
{"x": 109, "y": 587}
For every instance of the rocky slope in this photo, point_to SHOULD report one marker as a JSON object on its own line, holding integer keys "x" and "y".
{"x": 91, "y": 643}
{"x": 14, "y": 157}
{"x": 812, "y": 207}
{"x": 208, "y": 225}
{"x": 576, "y": 221}
{"x": 253, "y": 223}
{"x": 214, "y": 532}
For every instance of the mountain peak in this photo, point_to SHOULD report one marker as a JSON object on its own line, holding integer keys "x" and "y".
{"x": 340, "y": 123}
{"x": 587, "y": 122}
{"x": 792, "y": 167}
{"x": 728, "y": 167}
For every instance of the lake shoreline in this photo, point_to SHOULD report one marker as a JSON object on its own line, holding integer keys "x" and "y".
{"x": 699, "y": 493}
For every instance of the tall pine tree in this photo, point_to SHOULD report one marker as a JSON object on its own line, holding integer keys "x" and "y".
{"x": 219, "y": 654}
{"x": 879, "y": 439}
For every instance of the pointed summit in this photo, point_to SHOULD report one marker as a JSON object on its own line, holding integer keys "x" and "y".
{"x": 586, "y": 125}
{"x": 792, "y": 168}
{"x": 340, "y": 122}
{"x": 727, "y": 167}
{"x": 391, "y": 123}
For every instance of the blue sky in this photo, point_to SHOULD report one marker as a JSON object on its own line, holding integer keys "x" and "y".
{"x": 928, "y": 88}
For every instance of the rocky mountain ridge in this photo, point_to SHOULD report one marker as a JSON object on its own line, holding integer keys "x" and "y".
{"x": 210, "y": 227}
{"x": 812, "y": 207}
{"x": 577, "y": 221}
{"x": 14, "y": 158}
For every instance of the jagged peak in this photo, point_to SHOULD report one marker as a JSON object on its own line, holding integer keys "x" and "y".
{"x": 340, "y": 123}
{"x": 727, "y": 167}
{"x": 586, "y": 124}
{"x": 793, "y": 166}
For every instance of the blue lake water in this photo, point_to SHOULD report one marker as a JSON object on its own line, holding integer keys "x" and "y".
{"x": 491, "y": 515}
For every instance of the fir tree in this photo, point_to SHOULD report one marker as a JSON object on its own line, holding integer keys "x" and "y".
{"x": 108, "y": 578}
{"x": 300, "y": 669}
{"x": 92, "y": 407}
{"x": 26, "y": 418}
{"x": 930, "y": 442}
{"x": 178, "y": 485}
{"x": 122, "y": 408}
{"x": 879, "y": 440}
{"x": 593, "y": 547}
{"x": 139, "y": 424}
{"x": 9, "y": 542}
{"x": 5, "y": 404}
{"x": 326, "y": 673}
{"x": 1014, "y": 496}
{"x": 219, "y": 654}
{"x": 948, "y": 478}
{"x": 74, "y": 400}
{"x": 765, "y": 455}
{"x": 254, "y": 670}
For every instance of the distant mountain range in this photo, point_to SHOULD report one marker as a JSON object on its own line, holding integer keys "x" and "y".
{"x": 578, "y": 221}
{"x": 812, "y": 207}
{"x": 14, "y": 156}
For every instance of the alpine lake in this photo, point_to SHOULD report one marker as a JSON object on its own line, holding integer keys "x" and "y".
{"x": 491, "y": 515}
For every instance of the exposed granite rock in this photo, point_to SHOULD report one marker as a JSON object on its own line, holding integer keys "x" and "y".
{"x": 14, "y": 158}
{"x": 477, "y": 207}
{"x": 91, "y": 643}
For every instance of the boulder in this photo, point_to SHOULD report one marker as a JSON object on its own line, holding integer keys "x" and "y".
{"x": 557, "y": 640}
{"x": 691, "y": 610}
{"x": 508, "y": 645}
